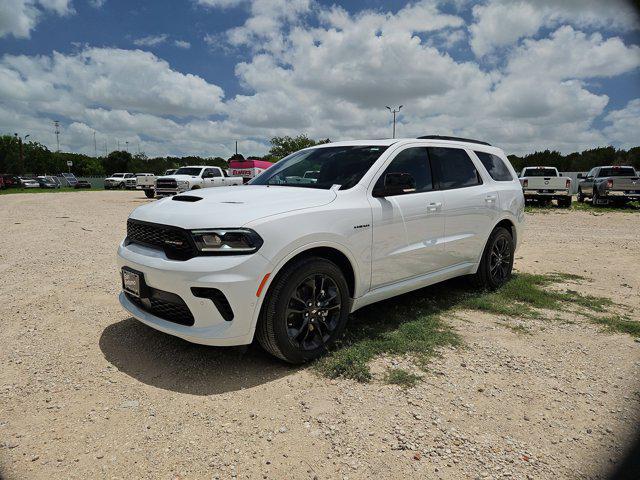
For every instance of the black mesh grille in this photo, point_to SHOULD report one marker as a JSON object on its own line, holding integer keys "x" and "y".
{"x": 165, "y": 305}
{"x": 175, "y": 242}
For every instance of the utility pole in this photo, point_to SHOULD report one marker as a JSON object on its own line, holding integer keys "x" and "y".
{"x": 56, "y": 125}
{"x": 126, "y": 142}
{"x": 394, "y": 111}
{"x": 105, "y": 149}
{"x": 118, "y": 145}
{"x": 236, "y": 147}
{"x": 95, "y": 144}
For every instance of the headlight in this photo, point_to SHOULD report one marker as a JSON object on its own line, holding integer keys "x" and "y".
{"x": 183, "y": 183}
{"x": 227, "y": 240}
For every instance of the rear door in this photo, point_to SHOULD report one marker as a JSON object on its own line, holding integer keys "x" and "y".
{"x": 407, "y": 228}
{"x": 469, "y": 203}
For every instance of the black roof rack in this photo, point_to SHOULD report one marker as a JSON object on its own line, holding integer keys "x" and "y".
{"x": 459, "y": 139}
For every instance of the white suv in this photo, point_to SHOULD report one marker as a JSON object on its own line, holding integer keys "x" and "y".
{"x": 288, "y": 261}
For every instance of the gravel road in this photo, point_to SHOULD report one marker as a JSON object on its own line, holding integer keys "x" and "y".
{"x": 88, "y": 392}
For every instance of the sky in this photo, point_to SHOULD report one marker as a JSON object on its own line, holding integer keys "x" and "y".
{"x": 192, "y": 77}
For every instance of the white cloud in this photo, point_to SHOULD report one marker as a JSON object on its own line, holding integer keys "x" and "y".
{"x": 220, "y": 3}
{"x": 499, "y": 23}
{"x": 20, "y": 17}
{"x": 182, "y": 44}
{"x": 624, "y": 124}
{"x": 97, "y": 3}
{"x": 151, "y": 40}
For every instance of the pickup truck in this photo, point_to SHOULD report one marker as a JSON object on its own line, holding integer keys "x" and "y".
{"x": 118, "y": 180}
{"x": 544, "y": 184}
{"x": 146, "y": 182}
{"x": 193, "y": 178}
{"x": 609, "y": 184}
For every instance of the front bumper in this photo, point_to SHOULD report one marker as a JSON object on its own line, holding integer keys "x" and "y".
{"x": 237, "y": 277}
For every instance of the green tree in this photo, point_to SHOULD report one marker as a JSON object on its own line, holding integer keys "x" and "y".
{"x": 283, "y": 146}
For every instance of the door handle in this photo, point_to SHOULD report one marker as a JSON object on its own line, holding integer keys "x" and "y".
{"x": 490, "y": 198}
{"x": 434, "y": 206}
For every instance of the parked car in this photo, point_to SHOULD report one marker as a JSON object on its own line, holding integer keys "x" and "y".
{"x": 289, "y": 262}
{"x": 29, "y": 183}
{"x": 11, "y": 181}
{"x": 147, "y": 183}
{"x": 194, "y": 178}
{"x": 544, "y": 184}
{"x": 2, "y": 187}
{"x": 118, "y": 180}
{"x": 46, "y": 182}
{"x": 82, "y": 184}
{"x": 610, "y": 184}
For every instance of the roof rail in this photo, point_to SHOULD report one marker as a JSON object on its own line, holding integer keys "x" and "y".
{"x": 459, "y": 139}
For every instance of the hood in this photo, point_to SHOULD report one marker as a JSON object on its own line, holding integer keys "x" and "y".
{"x": 178, "y": 177}
{"x": 231, "y": 206}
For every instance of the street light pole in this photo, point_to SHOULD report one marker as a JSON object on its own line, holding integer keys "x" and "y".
{"x": 394, "y": 111}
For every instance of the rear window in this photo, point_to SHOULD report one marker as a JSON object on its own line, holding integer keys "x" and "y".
{"x": 453, "y": 168}
{"x": 617, "y": 172}
{"x": 540, "y": 172}
{"x": 495, "y": 166}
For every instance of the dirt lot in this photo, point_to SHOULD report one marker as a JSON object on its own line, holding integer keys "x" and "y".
{"x": 87, "y": 392}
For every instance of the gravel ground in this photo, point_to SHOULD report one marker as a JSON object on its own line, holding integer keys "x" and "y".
{"x": 87, "y": 392}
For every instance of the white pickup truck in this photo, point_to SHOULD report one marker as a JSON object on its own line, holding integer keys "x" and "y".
{"x": 193, "y": 178}
{"x": 544, "y": 184}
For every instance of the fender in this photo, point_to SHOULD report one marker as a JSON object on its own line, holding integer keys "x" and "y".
{"x": 283, "y": 261}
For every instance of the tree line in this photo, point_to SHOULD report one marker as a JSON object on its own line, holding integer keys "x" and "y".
{"x": 36, "y": 158}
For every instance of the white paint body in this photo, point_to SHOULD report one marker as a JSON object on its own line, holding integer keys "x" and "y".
{"x": 549, "y": 186}
{"x": 195, "y": 182}
{"x": 394, "y": 244}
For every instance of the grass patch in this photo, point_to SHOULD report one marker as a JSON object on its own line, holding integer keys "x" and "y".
{"x": 8, "y": 191}
{"x": 414, "y": 323}
{"x": 631, "y": 207}
{"x": 618, "y": 323}
{"x": 398, "y": 376}
{"x": 516, "y": 328}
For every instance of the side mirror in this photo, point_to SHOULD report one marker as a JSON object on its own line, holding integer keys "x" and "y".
{"x": 396, "y": 184}
{"x": 580, "y": 175}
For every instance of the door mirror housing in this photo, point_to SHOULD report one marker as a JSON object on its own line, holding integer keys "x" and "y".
{"x": 581, "y": 175}
{"x": 396, "y": 184}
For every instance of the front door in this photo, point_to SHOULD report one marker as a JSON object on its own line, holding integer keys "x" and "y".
{"x": 408, "y": 227}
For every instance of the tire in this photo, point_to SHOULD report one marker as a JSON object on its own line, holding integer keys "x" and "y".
{"x": 595, "y": 199}
{"x": 580, "y": 196}
{"x": 499, "y": 248}
{"x": 150, "y": 193}
{"x": 288, "y": 326}
{"x": 564, "y": 202}
{"x": 121, "y": 186}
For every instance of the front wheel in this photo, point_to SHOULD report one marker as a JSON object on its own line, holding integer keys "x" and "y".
{"x": 150, "y": 193}
{"x": 496, "y": 264}
{"x": 305, "y": 311}
{"x": 580, "y": 196}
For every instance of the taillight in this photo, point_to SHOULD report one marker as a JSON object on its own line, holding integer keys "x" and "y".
{"x": 525, "y": 183}
{"x": 568, "y": 184}
{"x": 610, "y": 183}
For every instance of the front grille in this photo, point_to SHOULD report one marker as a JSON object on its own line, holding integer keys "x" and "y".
{"x": 164, "y": 305}
{"x": 175, "y": 242}
{"x": 169, "y": 183}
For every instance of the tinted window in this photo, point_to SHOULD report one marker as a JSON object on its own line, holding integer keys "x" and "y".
{"x": 342, "y": 166}
{"x": 617, "y": 172}
{"x": 193, "y": 171}
{"x": 453, "y": 168}
{"x": 495, "y": 166}
{"x": 540, "y": 172}
{"x": 415, "y": 162}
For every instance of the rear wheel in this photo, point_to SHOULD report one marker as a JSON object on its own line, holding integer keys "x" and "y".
{"x": 305, "y": 311}
{"x": 496, "y": 264}
{"x": 580, "y": 196}
{"x": 150, "y": 193}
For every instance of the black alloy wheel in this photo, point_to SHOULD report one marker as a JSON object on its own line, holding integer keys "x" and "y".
{"x": 313, "y": 312}
{"x": 500, "y": 260}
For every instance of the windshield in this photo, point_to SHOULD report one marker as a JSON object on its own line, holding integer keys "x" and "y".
{"x": 540, "y": 172}
{"x": 617, "y": 172}
{"x": 117, "y": 175}
{"x": 342, "y": 166}
{"x": 188, "y": 171}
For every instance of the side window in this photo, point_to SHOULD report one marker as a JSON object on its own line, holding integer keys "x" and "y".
{"x": 216, "y": 172}
{"x": 495, "y": 166}
{"x": 415, "y": 162}
{"x": 453, "y": 168}
{"x": 592, "y": 172}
